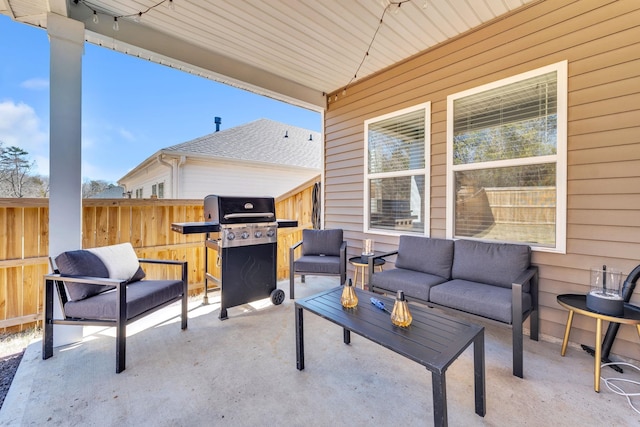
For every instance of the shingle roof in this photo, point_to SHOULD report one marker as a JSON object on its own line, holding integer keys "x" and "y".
{"x": 262, "y": 140}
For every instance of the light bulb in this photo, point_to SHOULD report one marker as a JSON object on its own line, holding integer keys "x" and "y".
{"x": 138, "y": 17}
{"x": 344, "y": 91}
{"x": 116, "y": 26}
{"x": 171, "y": 5}
{"x": 95, "y": 17}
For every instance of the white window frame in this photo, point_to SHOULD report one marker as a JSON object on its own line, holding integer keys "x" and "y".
{"x": 426, "y": 106}
{"x": 560, "y": 157}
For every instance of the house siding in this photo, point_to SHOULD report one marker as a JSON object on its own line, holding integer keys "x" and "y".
{"x": 601, "y": 42}
{"x": 198, "y": 178}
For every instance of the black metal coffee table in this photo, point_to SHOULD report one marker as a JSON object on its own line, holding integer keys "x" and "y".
{"x": 432, "y": 340}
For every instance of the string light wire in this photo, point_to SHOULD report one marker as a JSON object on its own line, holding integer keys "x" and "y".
{"x": 389, "y": 5}
{"x": 137, "y": 16}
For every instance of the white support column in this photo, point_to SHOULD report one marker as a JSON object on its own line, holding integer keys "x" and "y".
{"x": 66, "y": 38}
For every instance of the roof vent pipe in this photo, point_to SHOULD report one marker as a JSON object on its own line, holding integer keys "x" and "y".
{"x": 218, "y": 122}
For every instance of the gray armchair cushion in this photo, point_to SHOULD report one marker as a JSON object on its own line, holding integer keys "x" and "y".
{"x": 433, "y": 256}
{"x": 317, "y": 264}
{"x": 141, "y": 296}
{"x": 321, "y": 242}
{"x": 497, "y": 264}
{"x": 114, "y": 261}
{"x": 493, "y": 302}
{"x": 82, "y": 263}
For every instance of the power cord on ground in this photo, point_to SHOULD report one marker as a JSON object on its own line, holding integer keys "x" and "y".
{"x": 609, "y": 382}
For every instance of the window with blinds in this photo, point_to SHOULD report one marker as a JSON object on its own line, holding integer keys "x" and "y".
{"x": 506, "y": 170}
{"x": 396, "y": 187}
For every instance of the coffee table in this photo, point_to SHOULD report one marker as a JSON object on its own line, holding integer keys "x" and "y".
{"x": 433, "y": 340}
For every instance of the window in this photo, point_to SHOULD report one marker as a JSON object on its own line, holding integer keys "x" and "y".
{"x": 396, "y": 172}
{"x": 139, "y": 193}
{"x": 506, "y": 164}
{"x": 161, "y": 190}
{"x": 154, "y": 191}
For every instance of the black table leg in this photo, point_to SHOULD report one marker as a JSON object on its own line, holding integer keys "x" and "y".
{"x": 478, "y": 373}
{"x": 346, "y": 336}
{"x": 439, "y": 385}
{"x": 299, "y": 339}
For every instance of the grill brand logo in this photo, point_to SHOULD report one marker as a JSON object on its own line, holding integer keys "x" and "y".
{"x": 248, "y": 205}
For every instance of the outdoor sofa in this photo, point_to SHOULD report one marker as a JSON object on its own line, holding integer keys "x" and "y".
{"x": 494, "y": 281}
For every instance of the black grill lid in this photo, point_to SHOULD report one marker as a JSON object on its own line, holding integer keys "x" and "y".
{"x": 239, "y": 209}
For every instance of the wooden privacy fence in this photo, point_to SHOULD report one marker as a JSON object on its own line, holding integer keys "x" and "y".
{"x": 146, "y": 223}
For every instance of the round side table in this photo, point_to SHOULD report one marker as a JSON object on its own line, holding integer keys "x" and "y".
{"x": 361, "y": 263}
{"x": 578, "y": 303}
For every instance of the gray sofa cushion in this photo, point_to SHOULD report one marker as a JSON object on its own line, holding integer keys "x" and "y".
{"x": 413, "y": 283}
{"x": 497, "y": 264}
{"x": 433, "y": 256}
{"x": 317, "y": 264}
{"x": 493, "y": 302}
{"x": 141, "y": 296}
{"x": 321, "y": 242}
{"x": 81, "y": 263}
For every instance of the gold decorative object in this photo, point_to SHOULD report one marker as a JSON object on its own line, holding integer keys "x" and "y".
{"x": 349, "y": 298}
{"x": 401, "y": 316}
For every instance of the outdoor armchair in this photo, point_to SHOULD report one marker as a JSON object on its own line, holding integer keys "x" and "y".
{"x": 106, "y": 287}
{"x": 324, "y": 252}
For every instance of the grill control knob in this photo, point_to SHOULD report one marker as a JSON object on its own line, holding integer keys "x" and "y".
{"x": 245, "y": 235}
{"x": 258, "y": 234}
{"x": 271, "y": 232}
{"x": 231, "y": 235}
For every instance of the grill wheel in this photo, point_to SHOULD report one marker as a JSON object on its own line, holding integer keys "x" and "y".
{"x": 277, "y": 296}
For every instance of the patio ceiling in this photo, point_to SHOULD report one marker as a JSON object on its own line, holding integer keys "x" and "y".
{"x": 295, "y": 51}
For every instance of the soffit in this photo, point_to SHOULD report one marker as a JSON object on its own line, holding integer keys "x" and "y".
{"x": 292, "y": 50}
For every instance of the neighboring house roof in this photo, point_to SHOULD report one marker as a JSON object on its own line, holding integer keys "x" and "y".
{"x": 109, "y": 193}
{"x": 263, "y": 140}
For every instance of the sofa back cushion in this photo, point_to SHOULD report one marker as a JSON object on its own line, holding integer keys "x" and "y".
{"x": 115, "y": 262}
{"x": 433, "y": 256}
{"x": 491, "y": 263}
{"x": 321, "y": 242}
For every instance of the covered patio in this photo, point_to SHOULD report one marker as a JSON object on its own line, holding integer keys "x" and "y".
{"x": 242, "y": 371}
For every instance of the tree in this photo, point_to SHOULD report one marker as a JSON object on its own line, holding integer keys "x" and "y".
{"x": 14, "y": 169}
{"x": 92, "y": 187}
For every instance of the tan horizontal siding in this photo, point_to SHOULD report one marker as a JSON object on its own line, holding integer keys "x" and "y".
{"x": 601, "y": 42}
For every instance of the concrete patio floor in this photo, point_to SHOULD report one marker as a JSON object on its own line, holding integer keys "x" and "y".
{"x": 242, "y": 372}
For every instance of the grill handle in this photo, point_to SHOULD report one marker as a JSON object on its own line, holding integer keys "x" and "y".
{"x": 250, "y": 215}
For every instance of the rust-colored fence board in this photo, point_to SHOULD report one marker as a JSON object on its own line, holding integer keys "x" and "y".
{"x": 146, "y": 223}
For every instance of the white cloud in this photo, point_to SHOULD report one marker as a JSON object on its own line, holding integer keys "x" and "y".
{"x": 20, "y": 126}
{"x": 126, "y": 134}
{"x": 35, "y": 84}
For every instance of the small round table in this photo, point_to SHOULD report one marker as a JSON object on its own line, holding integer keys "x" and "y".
{"x": 578, "y": 303}
{"x": 362, "y": 263}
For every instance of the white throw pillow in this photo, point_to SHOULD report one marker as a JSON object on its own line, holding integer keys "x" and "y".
{"x": 121, "y": 260}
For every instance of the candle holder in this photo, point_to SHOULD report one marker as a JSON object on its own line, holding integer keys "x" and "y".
{"x": 604, "y": 296}
{"x": 401, "y": 316}
{"x": 349, "y": 299}
{"x": 367, "y": 248}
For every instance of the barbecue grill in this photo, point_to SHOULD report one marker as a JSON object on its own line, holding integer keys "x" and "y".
{"x": 246, "y": 246}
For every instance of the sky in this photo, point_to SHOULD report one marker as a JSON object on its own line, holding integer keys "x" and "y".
{"x": 131, "y": 108}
